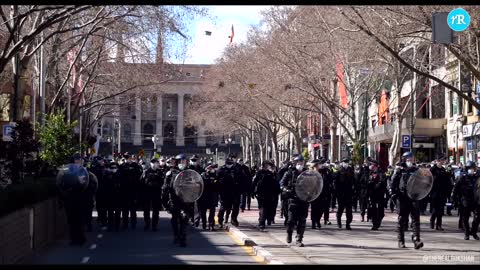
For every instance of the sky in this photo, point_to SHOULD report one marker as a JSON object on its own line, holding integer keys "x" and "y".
{"x": 205, "y": 49}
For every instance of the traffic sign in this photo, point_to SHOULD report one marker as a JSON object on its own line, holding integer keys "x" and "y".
{"x": 406, "y": 141}
{"x": 8, "y": 131}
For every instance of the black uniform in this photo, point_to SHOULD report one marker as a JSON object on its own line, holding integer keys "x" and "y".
{"x": 344, "y": 191}
{"x": 90, "y": 200}
{"x": 111, "y": 182}
{"x": 362, "y": 189}
{"x": 231, "y": 190}
{"x": 73, "y": 197}
{"x": 152, "y": 183}
{"x": 130, "y": 174}
{"x": 405, "y": 206}
{"x": 101, "y": 196}
{"x": 284, "y": 200}
{"x": 265, "y": 187}
{"x": 321, "y": 206}
{"x": 439, "y": 194}
{"x": 376, "y": 189}
{"x": 464, "y": 191}
{"x": 389, "y": 202}
{"x": 181, "y": 212}
{"x": 297, "y": 209}
{"x": 246, "y": 175}
{"x": 209, "y": 199}
{"x": 196, "y": 217}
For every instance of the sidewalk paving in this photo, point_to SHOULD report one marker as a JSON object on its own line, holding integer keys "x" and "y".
{"x": 331, "y": 245}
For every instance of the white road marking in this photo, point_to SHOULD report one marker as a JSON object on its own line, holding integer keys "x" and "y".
{"x": 100, "y": 235}
{"x": 93, "y": 246}
{"x": 85, "y": 259}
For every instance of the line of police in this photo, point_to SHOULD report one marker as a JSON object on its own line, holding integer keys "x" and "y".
{"x": 119, "y": 189}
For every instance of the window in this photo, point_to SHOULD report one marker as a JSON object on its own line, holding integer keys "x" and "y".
{"x": 5, "y": 107}
{"x": 99, "y": 128}
{"x": 188, "y": 74}
{"x": 452, "y": 102}
{"x": 469, "y": 104}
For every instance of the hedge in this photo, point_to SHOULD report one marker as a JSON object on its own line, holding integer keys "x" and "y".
{"x": 19, "y": 195}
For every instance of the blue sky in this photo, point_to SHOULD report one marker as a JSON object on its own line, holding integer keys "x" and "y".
{"x": 205, "y": 49}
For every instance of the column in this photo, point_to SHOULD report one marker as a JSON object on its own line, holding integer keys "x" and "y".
{"x": 180, "y": 124}
{"x": 137, "y": 139}
{"x": 201, "y": 139}
{"x": 159, "y": 123}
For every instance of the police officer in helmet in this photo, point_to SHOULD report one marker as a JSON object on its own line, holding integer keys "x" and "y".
{"x": 231, "y": 190}
{"x": 297, "y": 209}
{"x": 265, "y": 187}
{"x": 181, "y": 211}
{"x": 466, "y": 191}
{"x": 406, "y": 206}
{"x": 152, "y": 182}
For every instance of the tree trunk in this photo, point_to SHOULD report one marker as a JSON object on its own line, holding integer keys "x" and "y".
{"x": 333, "y": 143}
{"x": 394, "y": 151}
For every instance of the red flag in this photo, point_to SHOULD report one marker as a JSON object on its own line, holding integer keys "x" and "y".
{"x": 341, "y": 86}
{"x": 231, "y": 36}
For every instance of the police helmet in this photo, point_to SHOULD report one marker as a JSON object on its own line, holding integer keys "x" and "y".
{"x": 194, "y": 158}
{"x": 181, "y": 157}
{"x": 407, "y": 155}
{"x": 266, "y": 163}
{"x": 298, "y": 158}
{"x": 470, "y": 164}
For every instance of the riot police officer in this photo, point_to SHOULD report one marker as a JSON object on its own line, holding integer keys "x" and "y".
{"x": 99, "y": 169}
{"x": 245, "y": 199}
{"x": 209, "y": 199}
{"x": 112, "y": 182}
{"x": 376, "y": 189}
{"x": 388, "y": 178}
{"x": 287, "y": 164}
{"x": 439, "y": 193}
{"x": 406, "y": 206}
{"x": 315, "y": 205}
{"x": 72, "y": 184}
{"x": 90, "y": 200}
{"x": 130, "y": 173}
{"x": 195, "y": 164}
{"x": 326, "y": 195}
{"x": 152, "y": 182}
{"x": 297, "y": 209}
{"x": 181, "y": 211}
{"x": 344, "y": 191}
{"x": 231, "y": 189}
{"x": 466, "y": 190}
{"x": 265, "y": 187}
{"x": 362, "y": 189}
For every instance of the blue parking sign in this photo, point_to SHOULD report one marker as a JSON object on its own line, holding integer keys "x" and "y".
{"x": 7, "y": 132}
{"x": 406, "y": 141}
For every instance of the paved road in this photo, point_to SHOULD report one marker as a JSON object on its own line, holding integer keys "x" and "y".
{"x": 331, "y": 245}
{"x": 139, "y": 247}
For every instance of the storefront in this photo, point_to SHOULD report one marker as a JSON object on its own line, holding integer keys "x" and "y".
{"x": 471, "y": 133}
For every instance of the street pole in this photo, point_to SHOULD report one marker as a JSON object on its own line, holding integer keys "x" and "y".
{"x": 413, "y": 102}
{"x": 340, "y": 142}
{"x": 42, "y": 83}
{"x": 365, "y": 126}
{"x": 15, "y": 77}
{"x": 321, "y": 129}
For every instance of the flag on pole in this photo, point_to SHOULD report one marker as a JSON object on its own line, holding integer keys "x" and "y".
{"x": 341, "y": 86}
{"x": 231, "y": 36}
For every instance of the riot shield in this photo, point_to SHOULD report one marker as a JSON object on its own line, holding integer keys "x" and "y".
{"x": 420, "y": 184}
{"x": 188, "y": 186}
{"x": 309, "y": 185}
{"x": 72, "y": 178}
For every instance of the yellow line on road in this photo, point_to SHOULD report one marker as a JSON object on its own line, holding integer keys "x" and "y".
{"x": 247, "y": 249}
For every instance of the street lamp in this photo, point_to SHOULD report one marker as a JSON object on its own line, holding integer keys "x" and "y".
{"x": 111, "y": 139}
{"x": 228, "y": 142}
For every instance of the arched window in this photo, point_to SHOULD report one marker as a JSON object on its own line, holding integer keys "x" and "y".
{"x": 169, "y": 131}
{"x": 127, "y": 131}
{"x": 107, "y": 129}
{"x": 147, "y": 130}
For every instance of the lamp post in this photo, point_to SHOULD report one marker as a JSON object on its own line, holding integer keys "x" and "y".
{"x": 110, "y": 139}
{"x": 228, "y": 142}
